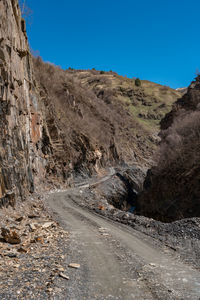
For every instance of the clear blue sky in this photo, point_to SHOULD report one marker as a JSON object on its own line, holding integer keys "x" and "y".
{"x": 158, "y": 40}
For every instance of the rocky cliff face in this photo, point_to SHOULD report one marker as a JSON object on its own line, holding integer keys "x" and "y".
{"x": 27, "y": 153}
{"x": 21, "y": 121}
{"x": 171, "y": 189}
{"x": 189, "y": 102}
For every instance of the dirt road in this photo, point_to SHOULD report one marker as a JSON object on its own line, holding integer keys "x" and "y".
{"x": 117, "y": 262}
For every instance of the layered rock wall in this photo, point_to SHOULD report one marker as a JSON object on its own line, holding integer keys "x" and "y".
{"x": 20, "y": 116}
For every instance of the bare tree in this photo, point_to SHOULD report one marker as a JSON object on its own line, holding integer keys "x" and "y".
{"x": 26, "y": 11}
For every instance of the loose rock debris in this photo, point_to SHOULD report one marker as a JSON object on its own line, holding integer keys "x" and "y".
{"x": 105, "y": 234}
{"x": 9, "y": 236}
{"x": 73, "y": 265}
{"x": 64, "y": 276}
{"x": 32, "y": 248}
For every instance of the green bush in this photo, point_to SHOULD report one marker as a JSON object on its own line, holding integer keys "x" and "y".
{"x": 138, "y": 82}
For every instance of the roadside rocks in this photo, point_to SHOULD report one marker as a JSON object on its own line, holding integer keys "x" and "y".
{"x": 31, "y": 252}
{"x": 9, "y": 236}
{"x": 74, "y": 266}
{"x": 48, "y": 225}
{"x": 120, "y": 190}
{"x": 64, "y": 276}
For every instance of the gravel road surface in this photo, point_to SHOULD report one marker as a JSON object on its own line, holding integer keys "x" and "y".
{"x": 116, "y": 261}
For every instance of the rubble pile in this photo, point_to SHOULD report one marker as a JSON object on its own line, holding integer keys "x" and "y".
{"x": 32, "y": 248}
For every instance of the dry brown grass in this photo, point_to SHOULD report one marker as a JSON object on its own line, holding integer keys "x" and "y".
{"x": 79, "y": 112}
{"x": 172, "y": 189}
{"x": 181, "y": 142}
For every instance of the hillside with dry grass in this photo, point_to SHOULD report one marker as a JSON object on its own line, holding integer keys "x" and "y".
{"x": 147, "y": 104}
{"x": 98, "y": 118}
{"x": 171, "y": 189}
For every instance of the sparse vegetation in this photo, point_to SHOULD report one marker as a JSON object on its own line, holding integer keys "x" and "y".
{"x": 26, "y": 11}
{"x": 102, "y": 107}
{"x": 176, "y": 151}
{"x": 82, "y": 111}
{"x": 174, "y": 191}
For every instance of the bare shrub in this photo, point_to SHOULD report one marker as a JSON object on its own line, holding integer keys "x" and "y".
{"x": 171, "y": 189}
{"x": 181, "y": 142}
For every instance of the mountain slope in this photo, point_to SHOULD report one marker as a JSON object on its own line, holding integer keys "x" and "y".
{"x": 147, "y": 103}
{"x": 103, "y": 118}
{"x": 171, "y": 189}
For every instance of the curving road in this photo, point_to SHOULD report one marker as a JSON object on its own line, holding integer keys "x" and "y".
{"x": 116, "y": 261}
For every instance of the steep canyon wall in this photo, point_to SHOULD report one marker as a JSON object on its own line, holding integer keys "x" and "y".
{"x": 21, "y": 121}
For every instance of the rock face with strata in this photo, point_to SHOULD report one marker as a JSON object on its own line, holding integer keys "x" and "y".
{"x": 20, "y": 116}
{"x": 26, "y": 149}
